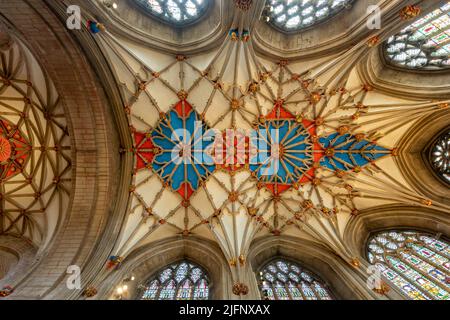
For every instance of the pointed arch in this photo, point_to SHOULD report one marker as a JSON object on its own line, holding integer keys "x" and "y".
{"x": 424, "y": 44}
{"x": 294, "y": 16}
{"x": 177, "y": 13}
{"x": 159, "y": 257}
{"x": 283, "y": 279}
{"x": 177, "y": 282}
{"x": 417, "y": 263}
{"x": 338, "y": 276}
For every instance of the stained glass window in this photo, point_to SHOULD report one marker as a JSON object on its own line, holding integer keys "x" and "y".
{"x": 182, "y": 281}
{"x": 440, "y": 156}
{"x": 201, "y": 291}
{"x": 294, "y": 15}
{"x": 179, "y": 12}
{"x": 283, "y": 280}
{"x": 425, "y": 44}
{"x": 418, "y": 264}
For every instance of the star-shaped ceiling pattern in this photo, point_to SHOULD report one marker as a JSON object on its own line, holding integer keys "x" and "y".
{"x": 284, "y": 153}
{"x": 334, "y": 150}
{"x": 35, "y": 165}
{"x": 180, "y": 161}
{"x": 15, "y": 150}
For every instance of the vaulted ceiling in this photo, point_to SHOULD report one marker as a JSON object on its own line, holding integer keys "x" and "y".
{"x": 319, "y": 128}
{"x": 339, "y": 139}
{"x": 35, "y": 163}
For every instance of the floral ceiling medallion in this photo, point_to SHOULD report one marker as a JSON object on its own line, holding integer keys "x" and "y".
{"x": 5, "y": 149}
{"x": 14, "y": 150}
{"x": 180, "y": 150}
{"x": 283, "y": 152}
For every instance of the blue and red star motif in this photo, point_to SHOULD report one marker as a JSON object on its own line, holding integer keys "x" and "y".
{"x": 283, "y": 153}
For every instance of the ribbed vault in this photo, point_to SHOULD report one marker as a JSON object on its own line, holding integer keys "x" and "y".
{"x": 36, "y": 158}
{"x": 338, "y": 152}
{"x": 342, "y": 148}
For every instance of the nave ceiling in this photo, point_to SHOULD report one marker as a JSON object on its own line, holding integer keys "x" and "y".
{"x": 343, "y": 145}
{"x": 341, "y": 140}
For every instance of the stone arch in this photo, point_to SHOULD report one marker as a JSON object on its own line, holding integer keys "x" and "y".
{"x": 92, "y": 132}
{"x": 328, "y": 37}
{"x": 209, "y": 30}
{"x": 16, "y": 257}
{"x": 359, "y": 230}
{"x": 336, "y": 273}
{"x": 413, "y": 160}
{"x": 138, "y": 293}
{"x": 8, "y": 261}
{"x": 144, "y": 262}
{"x": 374, "y": 70}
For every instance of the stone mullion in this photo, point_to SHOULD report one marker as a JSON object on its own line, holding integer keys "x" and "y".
{"x": 436, "y": 251}
{"x": 275, "y": 293}
{"x": 425, "y": 275}
{"x": 429, "y": 261}
{"x": 316, "y": 292}
{"x": 158, "y": 292}
{"x": 178, "y": 286}
{"x": 408, "y": 280}
{"x": 301, "y": 291}
{"x": 287, "y": 291}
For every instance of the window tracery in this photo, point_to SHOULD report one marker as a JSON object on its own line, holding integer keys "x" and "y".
{"x": 425, "y": 44}
{"x": 440, "y": 156}
{"x": 292, "y": 15}
{"x": 178, "y": 12}
{"x": 418, "y": 264}
{"x": 182, "y": 281}
{"x": 283, "y": 280}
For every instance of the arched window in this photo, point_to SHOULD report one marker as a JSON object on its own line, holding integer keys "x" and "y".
{"x": 440, "y": 156}
{"x": 181, "y": 281}
{"x": 283, "y": 280}
{"x": 418, "y": 264}
{"x": 294, "y": 15}
{"x": 425, "y": 44}
{"x": 177, "y": 12}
